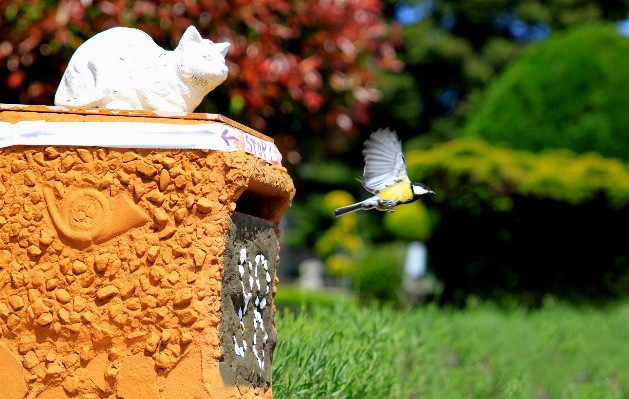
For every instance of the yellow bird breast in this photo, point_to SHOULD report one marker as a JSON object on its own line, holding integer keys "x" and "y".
{"x": 400, "y": 192}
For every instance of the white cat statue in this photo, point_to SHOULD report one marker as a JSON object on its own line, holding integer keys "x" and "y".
{"x": 123, "y": 68}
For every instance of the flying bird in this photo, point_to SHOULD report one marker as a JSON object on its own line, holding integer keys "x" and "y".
{"x": 385, "y": 176}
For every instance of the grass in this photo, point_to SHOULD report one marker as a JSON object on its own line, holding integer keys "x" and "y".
{"x": 351, "y": 352}
{"x": 292, "y": 296}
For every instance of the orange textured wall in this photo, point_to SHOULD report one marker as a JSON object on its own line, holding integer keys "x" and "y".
{"x": 111, "y": 269}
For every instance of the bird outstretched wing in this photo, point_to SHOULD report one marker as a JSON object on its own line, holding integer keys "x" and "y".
{"x": 384, "y": 161}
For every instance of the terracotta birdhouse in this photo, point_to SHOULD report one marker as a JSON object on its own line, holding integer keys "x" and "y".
{"x": 138, "y": 254}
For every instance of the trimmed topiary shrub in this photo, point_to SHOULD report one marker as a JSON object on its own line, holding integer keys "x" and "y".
{"x": 410, "y": 222}
{"x": 468, "y": 171}
{"x": 519, "y": 225}
{"x": 378, "y": 275}
{"x": 571, "y": 91}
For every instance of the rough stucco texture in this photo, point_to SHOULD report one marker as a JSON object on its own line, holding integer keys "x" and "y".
{"x": 111, "y": 271}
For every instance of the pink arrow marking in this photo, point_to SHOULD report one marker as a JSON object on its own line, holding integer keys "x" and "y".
{"x": 225, "y": 136}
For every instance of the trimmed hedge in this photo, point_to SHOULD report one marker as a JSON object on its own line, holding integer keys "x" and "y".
{"x": 571, "y": 91}
{"x": 469, "y": 170}
{"x": 517, "y": 224}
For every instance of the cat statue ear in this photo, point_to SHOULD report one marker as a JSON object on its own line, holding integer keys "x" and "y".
{"x": 190, "y": 35}
{"x": 222, "y": 47}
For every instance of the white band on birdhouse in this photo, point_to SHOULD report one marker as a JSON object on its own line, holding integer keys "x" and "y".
{"x": 207, "y": 136}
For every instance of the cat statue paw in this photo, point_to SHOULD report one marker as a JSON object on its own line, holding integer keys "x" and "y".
{"x": 123, "y": 68}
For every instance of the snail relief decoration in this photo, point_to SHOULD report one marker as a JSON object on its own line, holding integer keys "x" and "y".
{"x": 123, "y": 68}
{"x": 87, "y": 216}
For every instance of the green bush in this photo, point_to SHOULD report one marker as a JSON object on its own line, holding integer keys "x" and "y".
{"x": 409, "y": 222}
{"x": 513, "y": 224}
{"x": 571, "y": 91}
{"x": 466, "y": 171}
{"x": 378, "y": 274}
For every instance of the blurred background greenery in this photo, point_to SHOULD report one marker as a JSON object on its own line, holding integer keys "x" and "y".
{"x": 514, "y": 112}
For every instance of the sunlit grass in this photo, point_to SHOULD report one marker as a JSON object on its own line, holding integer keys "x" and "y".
{"x": 350, "y": 352}
{"x": 293, "y": 296}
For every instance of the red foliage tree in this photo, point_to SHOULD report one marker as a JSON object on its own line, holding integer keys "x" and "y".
{"x": 295, "y": 66}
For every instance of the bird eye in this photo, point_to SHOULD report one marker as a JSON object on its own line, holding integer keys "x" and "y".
{"x": 208, "y": 57}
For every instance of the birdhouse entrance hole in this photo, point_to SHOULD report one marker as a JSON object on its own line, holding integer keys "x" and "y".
{"x": 262, "y": 201}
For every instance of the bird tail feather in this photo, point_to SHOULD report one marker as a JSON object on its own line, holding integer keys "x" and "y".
{"x": 347, "y": 209}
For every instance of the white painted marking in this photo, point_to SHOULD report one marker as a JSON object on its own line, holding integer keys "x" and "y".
{"x": 243, "y": 255}
{"x": 259, "y": 302}
{"x": 247, "y": 298}
{"x": 239, "y": 351}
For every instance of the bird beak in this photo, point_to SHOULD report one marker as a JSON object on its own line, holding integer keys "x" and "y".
{"x": 431, "y": 192}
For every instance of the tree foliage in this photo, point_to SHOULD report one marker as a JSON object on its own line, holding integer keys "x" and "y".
{"x": 296, "y": 67}
{"x": 571, "y": 91}
{"x": 453, "y": 50}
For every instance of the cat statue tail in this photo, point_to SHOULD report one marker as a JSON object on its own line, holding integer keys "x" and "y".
{"x": 78, "y": 88}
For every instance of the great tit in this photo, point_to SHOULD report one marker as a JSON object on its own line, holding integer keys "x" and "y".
{"x": 385, "y": 176}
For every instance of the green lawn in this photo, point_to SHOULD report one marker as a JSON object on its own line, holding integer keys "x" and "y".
{"x": 350, "y": 352}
